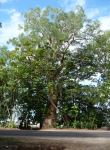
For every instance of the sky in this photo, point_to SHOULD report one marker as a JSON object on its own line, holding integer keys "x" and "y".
{"x": 11, "y": 12}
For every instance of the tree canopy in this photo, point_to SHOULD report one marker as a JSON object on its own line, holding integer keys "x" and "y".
{"x": 55, "y": 53}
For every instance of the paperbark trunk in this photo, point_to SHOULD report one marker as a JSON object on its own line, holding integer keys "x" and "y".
{"x": 50, "y": 119}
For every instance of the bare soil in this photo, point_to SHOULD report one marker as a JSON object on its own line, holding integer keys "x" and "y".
{"x": 32, "y": 143}
{"x": 35, "y": 143}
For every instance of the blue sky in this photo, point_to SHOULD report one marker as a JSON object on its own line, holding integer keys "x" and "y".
{"x": 11, "y": 12}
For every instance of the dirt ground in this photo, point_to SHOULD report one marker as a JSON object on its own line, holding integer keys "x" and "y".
{"x": 35, "y": 143}
{"x": 32, "y": 143}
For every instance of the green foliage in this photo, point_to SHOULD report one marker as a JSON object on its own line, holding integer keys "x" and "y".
{"x": 10, "y": 124}
{"x": 56, "y": 52}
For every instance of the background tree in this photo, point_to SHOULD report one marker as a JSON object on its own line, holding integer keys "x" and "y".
{"x": 7, "y": 88}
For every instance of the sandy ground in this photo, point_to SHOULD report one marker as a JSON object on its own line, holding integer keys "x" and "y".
{"x": 32, "y": 143}
{"x": 35, "y": 143}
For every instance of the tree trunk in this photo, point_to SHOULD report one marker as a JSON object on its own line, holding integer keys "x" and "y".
{"x": 50, "y": 119}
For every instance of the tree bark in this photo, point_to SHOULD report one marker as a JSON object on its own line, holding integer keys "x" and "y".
{"x": 50, "y": 119}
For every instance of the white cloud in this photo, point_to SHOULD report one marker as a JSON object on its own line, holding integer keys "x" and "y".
{"x": 70, "y": 4}
{"x": 10, "y": 28}
{"x": 81, "y": 2}
{"x": 3, "y": 1}
{"x": 93, "y": 12}
{"x": 7, "y": 11}
{"x": 105, "y": 22}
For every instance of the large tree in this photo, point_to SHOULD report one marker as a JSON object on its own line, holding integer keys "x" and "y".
{"x": 56, "y": 47}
